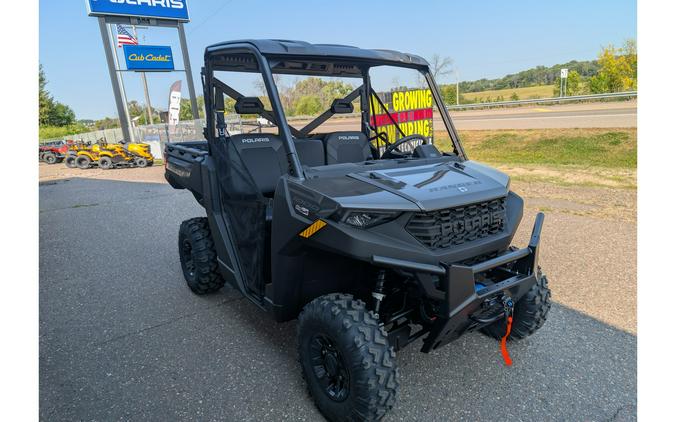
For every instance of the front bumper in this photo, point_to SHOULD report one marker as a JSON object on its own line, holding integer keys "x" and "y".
{"x": 515, "y": 273}
{"x": 463, "y": 298}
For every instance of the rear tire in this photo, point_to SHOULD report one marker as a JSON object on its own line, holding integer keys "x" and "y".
{"x": 345, "y": 357}
{"x": 105, "y": 163}
{"x": 83, "y": 162}
{"x": 198, "y": 257}
{"x": 141, "y": 162}
{"x": 529, "y": 313}
{"x": 70, "y": 162}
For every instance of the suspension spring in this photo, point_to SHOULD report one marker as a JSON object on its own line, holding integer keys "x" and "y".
{"x": 378, "y": 293}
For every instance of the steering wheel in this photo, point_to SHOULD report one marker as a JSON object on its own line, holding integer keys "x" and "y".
{"x": 392, "y": 150}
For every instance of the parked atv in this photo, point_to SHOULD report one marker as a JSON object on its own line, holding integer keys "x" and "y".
{"x": 105, "y": 156}
{"x": 373, "y": 238}
{"x": 52, "y": 154}
{"x": 114, "y": 155}
{"x": 141, "y": 153}
{"x": 73, "y": 149}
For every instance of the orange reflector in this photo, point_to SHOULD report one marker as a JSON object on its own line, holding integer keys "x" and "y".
{"x": 315, "y": 227}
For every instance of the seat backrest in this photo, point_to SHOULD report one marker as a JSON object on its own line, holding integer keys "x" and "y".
{"x": 310, "y": 152}
{"x": 347, "y": 147}
{"x": 265, "y": 158}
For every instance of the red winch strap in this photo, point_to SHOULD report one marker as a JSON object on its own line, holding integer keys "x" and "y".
{"x": 505, "y": 353}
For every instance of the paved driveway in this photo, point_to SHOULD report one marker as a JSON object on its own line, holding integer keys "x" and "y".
{"x": 122, "y": 337}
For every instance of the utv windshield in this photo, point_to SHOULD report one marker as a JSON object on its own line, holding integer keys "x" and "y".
{"x": 402, "y": 105}
{"x": 397, "y": 103}
{"x": 378, "y": 106}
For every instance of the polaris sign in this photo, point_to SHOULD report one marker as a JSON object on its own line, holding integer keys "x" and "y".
{"x": 159, "y": 9}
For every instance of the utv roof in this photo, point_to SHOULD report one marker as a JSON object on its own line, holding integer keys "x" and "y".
{"x": 302, "y": 50}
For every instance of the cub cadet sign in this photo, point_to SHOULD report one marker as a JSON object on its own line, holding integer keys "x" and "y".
{"x": 412, "y": 110}
{"x": 162, "y": 9}
{"x": 148, "y": 58}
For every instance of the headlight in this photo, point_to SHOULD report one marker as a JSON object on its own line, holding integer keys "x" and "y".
{"x": 366, "y": 219}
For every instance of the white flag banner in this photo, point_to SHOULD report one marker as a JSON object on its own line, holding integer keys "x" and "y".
{"x": 174, "y": 103}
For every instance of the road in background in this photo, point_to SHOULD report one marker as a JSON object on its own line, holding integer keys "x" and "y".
{"x": 122, "y": 337}
{"x": 585, "y": 115}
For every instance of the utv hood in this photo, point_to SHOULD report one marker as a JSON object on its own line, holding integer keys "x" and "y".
{"x": 438, "y": 186}
{"x": 425, "y": 187}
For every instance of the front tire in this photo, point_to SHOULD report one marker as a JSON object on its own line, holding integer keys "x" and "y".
{"x": 141, "y": 162}
{"x": 105, "y": 163}
{"x": 198, "y": 256}
{"x": 49, "y": 157}
{"x": 529, "y": 313}
{"x": 345, "y": 357}
{"x": 83, "y": 162}
{"x": 70, "y": 162}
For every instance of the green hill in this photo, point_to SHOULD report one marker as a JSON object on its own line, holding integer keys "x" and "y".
{"x": 540, "y": 75}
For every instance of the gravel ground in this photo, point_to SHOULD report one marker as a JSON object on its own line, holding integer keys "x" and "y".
{"x": 121, "y": 336}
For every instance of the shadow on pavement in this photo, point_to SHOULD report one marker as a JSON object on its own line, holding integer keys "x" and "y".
{"x": 122, "y": 337}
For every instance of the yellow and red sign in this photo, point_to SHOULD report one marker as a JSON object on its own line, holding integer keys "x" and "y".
{"x": 411, "y": 109}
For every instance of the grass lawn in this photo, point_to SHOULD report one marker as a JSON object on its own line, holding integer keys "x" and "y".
{"x": 593, "y": 157}
{"x": 541, "y": 91}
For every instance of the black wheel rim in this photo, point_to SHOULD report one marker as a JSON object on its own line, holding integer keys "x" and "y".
{"x": 329, "y": 368}
{"x": 186, "y": 250}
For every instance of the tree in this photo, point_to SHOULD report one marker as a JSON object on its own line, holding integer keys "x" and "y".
{"x": 50, "y": 112}
{"x": 618, "y": 69}
{"x": 61, "y": 115}
{"x": 310, "y": 95}
{"x": 45, "y": 100}
{"x": 107, "y": 123}
{"x": 449, "y": 94}
{"x": 440, "y": 66}
{"x": 186, "y": 108}
{"x": 514, "y": 96}
{"x": 309, "y": 105}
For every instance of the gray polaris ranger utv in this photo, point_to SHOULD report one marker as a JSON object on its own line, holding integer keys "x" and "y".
{"x": 372, "y": 238}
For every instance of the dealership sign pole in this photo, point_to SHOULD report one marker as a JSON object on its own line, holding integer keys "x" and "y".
{"x": 144, "y": 79}
{"x": 164, "y": 13}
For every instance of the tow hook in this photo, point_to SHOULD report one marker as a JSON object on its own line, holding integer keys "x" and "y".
{"x": 508, "y": 306}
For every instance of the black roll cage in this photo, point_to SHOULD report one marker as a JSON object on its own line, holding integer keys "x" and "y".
{"x": 277, "y": 115}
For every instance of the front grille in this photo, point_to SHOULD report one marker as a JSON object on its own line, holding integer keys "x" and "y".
{"x": 455, "y": 226}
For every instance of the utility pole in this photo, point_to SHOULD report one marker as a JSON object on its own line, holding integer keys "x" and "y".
{"x": 148, "y": 106}
{"x": 188, "y": 71}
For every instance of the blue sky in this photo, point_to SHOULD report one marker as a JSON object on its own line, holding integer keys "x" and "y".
{"x": 486, "y": 38}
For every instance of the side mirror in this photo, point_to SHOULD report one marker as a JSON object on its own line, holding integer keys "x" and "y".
{"x": 341, "y": 106}
{"x": 249, "y": 105}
